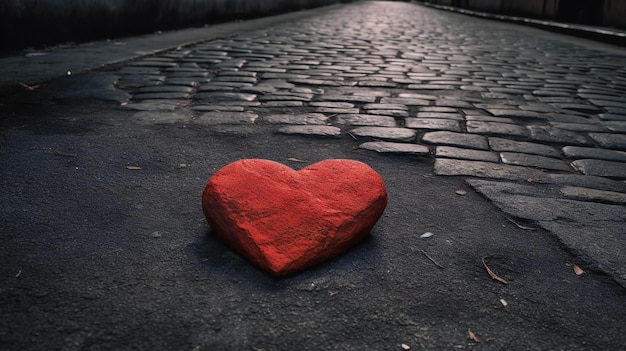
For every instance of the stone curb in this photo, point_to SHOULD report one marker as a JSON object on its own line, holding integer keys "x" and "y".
{"x": 605, "y": 35}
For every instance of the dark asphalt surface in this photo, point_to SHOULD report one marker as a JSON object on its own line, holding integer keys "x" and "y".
{"x": 95, "y": 256}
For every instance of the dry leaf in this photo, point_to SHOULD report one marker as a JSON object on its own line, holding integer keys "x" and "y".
{"x": 472, "y": 336}
{"x": 293, "y": 159}
{"x": 133, "y": 168}
{"x": 31, "y": 87}
{"x": 461, "y": 192}
{"x": 578, "y": 270}
{"x": 492, "y": 274}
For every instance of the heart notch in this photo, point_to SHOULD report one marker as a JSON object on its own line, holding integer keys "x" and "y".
{"x": 283, "y": 220}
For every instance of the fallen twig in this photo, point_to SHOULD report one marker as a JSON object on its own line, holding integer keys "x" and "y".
{"x": 472, "y": 336}
{"x": 492, "y": 274}
{"x": 30, "y": 87}
{"x": 520, "y": 226}
{"x": 431, "y": 259}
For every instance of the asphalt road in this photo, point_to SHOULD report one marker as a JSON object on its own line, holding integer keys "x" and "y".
{"x": 94, "y": 255}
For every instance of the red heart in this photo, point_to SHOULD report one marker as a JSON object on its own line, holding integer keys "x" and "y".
{"x": 284, "y": 220}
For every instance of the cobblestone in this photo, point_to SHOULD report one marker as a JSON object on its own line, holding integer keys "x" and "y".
{"x": 579, "y": 127}
{"x": 495, "y": 128}
{"x": 601, "y": 168}
{"x": 453, "y": 167}
{"x": 442, "y": 115}
{"x": 577, "y": 152}
{"x": 500, "y": 144}
{"x": 456, "y": 139}
{"x": 366, "y": 120}
{"x": 433, "y": 123}
{"x": 610, "y": 141}
{"x": 161, "y": 96}
{"x": 383, "y": 133}
{"x": 396, "y": 148}
{"x": 516, "y": 114}
{"x": 312, "y": 130}
{"x": 309, "y": 118}
{"x": 556, "y": 135}
{"x": 586, "y": 194}
{"x": 466, "y": 154}
{"x": 221, "y": 97}
{"x": 542, "y": 162}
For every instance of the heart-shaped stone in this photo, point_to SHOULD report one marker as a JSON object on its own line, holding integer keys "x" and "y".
{"x": 284, "y": 220}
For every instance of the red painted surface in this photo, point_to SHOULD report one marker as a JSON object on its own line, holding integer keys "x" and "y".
{"x": 284, "y": 220}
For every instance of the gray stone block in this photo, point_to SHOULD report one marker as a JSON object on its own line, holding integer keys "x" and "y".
{"x": 396, "y": 148}
{"x": 500, "y": 144}
{"x": 602, "y": 168}
{"x": 312, "y": 130}
{"x": 471, "y": 141}
{"x": 578, "y": 152}
{"x": 466, "y": 154}
{"x": 536, "y": 161}
{"x": 383, "y": 133}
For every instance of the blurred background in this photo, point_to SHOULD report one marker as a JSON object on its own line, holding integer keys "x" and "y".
{"x": 35, "y": 24}
{"x": 605, "y": 13}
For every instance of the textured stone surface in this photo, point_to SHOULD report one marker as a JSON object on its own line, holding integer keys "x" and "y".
{"x": 442, "y": 115}
{"x": 577, "y": 152}
{"x": 284, "y": 220}
{"x": 216, "y": 118}
{"x": 500, "y": 144}
{"x": 601, "y": 168}
{"x": 433, "y": 124}
{"x": 466, "y": 154}
{"x": 520, "y": 159}
{"x": 496, "y": 128}
{"x": 591, "y": 228}
{"x": 579, "y": 127}
{"x": 221, "y": 97}
{"x": 366, "y": 120}
{"x": 309, "y": 118}
{"x": 383, "y": 133}
{"x": 396, "y": 148}
{"x": 457, "y": 139}
{"x": 516, "y": 114}
{"x": 480, "y": 169}
{"x": 556, "y": 135}
{"x": 610, "y": 141}
{"x": 317, "y": 130}
{"x": 587, "y": 194}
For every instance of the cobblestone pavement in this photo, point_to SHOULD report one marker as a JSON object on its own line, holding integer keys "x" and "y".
{"x": 537, "y": 123}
